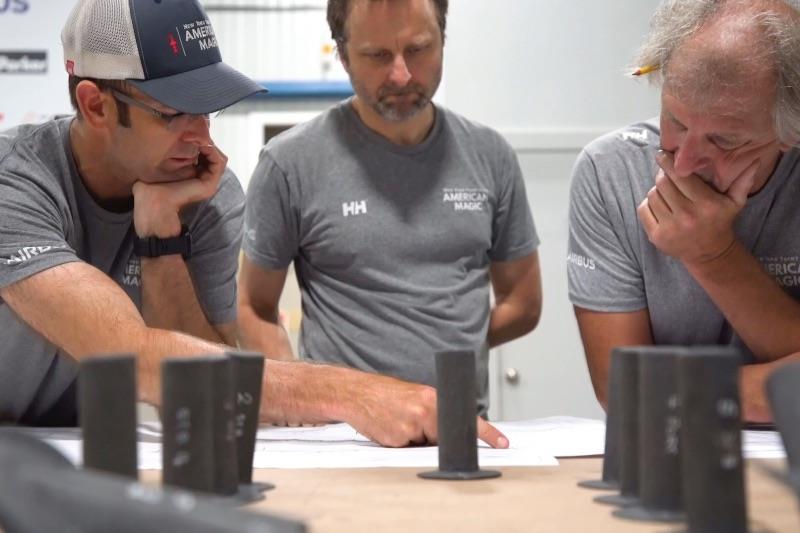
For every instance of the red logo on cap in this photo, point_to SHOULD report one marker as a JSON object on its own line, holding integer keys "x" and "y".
{"x": 173, "y": 43}
{"x": 71, "y": 68}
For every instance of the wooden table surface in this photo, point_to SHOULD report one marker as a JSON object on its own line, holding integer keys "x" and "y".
{"x": 539, "y": 499}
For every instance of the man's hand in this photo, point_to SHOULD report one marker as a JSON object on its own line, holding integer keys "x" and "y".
{"x": 686, "y": 218}
{"x": 752, "y": 380}
{"x": 389, "y": 411}
{"x": 157, "y": 206}
{"x": 396, "y": 413}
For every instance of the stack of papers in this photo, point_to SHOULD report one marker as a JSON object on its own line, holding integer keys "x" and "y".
{"x": 533, "y": 443}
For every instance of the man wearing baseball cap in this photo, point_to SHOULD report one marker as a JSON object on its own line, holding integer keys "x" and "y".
{"x": 121, "y": 231}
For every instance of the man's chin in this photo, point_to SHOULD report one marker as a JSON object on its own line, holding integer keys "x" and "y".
{"x": 401, "y": 113}
{"x": 172, "y": 174}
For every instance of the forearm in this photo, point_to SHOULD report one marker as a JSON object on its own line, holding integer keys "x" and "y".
{"x": 169, "y": 300}
{"x": 510, "y": 320}
{"x": 264, "y": 334}
{"x": 752, "y": 381}
{"x": 84, "y": 313}
{"x": 764, "y": 316}
{"x": 299, "y": 392}
{"x": 601, "y": 332}
{"x": 517, "y": 287}
{"x": 153, "y": 346}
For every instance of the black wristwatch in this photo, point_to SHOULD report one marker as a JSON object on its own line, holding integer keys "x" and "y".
{"x": 155, "y": 247}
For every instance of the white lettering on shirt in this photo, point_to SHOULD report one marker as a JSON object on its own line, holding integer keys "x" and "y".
{"x": 638, "y": 136}
{"x": 581, "y": 261}
{"x": 354, "y": 208}
{"x": 466, "y": 199}
{"x": 132, "y": 276}
{"x": 784, "y": 270}
{"x": 29, "y": 252}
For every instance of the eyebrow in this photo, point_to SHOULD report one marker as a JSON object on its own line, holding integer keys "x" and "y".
{"x": 671, "y": 117}
{"x": 729, "y": 137}
{"x": 418, "y": 40}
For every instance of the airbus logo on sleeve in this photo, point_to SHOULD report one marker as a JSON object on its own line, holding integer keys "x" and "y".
{"x": 581, "y": 261}
{"x": 29, "y": 252}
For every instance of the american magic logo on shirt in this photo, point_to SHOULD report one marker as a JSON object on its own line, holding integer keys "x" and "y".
{"x": 23, "y": 62}
{"x": 466, "y": 199}
{"x": 783, "y": 269}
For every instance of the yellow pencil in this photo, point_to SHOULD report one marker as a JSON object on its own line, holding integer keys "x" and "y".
{"x": 647, "y": 69}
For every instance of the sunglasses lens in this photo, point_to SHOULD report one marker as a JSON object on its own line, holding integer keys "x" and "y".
{"x": 184, "y": 121}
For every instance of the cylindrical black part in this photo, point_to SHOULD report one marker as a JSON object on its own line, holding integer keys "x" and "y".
{"x": 659, "y": 429}
{"x": 248, "y": 371}
{"x": 629, "y": 421}
{"x": 41, "y": 491}
{"x": 711, "y": 447}
{"x": 783, "y": 386}
{"x": 107, "y": 413}
{"x": 457, "y": 411}
{"x": 611, "y": 459}
{"x": 199, "y": 438}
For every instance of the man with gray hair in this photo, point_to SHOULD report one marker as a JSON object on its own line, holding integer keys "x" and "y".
{"x": 678, "y": 225}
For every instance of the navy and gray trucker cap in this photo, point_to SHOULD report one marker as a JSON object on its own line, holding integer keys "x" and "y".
{"x": 165, "y": 48}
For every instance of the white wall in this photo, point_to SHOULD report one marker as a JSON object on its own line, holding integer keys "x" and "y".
{"x": 546, "y": 64}
{"x": 33, "y": 25}
{"x": 549, "y": 75}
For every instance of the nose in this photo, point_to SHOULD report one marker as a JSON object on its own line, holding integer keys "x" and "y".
{"x": 689, "y": 157}
{"x": 197, "y": 131}
{"x": 399, "y": 74}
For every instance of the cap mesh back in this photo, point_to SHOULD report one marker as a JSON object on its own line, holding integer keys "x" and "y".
{"x": 99, "y": 39}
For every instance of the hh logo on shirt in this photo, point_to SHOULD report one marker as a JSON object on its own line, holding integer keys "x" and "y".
{"x": 354, "y": 208}
{"x": 466, "y": 199}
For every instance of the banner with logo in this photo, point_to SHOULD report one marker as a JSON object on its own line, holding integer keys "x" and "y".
{"x": 33, "y": 82}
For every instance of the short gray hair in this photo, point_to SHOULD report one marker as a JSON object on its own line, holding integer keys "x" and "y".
{"x": 675, "y": 21}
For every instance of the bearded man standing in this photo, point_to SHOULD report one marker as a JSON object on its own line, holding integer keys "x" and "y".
{"x": 398, "y": 214}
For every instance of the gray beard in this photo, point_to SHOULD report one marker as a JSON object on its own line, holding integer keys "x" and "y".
{"x": 392, "y": 114}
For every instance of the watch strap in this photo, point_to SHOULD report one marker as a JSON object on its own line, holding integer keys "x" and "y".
{"x": 155, "y": 247}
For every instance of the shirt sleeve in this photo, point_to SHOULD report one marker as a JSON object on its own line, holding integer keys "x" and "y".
{"x": 216, "y": 231}
{"x": 32, "y": 231}
{"x": 603, "y": 272}
{"x": 271, "y": 218}
{"x": 513, "y": 231}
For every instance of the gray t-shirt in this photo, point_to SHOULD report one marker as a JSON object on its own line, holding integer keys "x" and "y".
{"x": 613, "y": 267}
{"x": 49, "y": 218}
{"x": 391, "y": 244}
